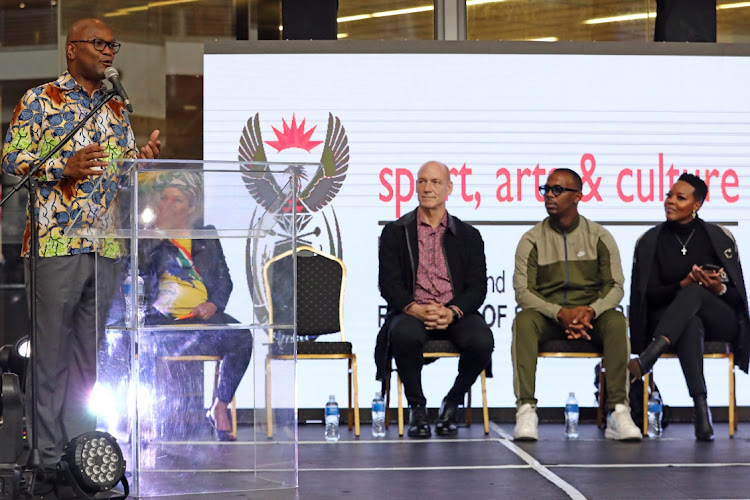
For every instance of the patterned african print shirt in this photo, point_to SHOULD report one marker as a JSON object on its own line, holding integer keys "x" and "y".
{"x": 41, "y": 119}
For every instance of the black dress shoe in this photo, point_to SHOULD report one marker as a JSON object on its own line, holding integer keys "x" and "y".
{"x": 418, "y": 425}
{"x": 446, "y": 424}
{"x": 704, "y": 430}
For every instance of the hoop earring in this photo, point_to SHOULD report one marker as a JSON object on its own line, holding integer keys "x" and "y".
{"x": 695, "y": 214}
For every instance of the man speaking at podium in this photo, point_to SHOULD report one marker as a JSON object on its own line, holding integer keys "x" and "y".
{"x": 65, "y": 270}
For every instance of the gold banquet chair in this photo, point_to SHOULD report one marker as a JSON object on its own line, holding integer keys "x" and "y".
{"x": 712, "y": 349}
{"x": 320, "y": 311}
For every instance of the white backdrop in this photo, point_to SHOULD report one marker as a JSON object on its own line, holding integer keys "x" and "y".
{"x": 628, "y": 123}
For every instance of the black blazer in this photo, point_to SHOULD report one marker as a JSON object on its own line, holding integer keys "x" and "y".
{"x": 644, "y": 257}
{"x": 208, "y": 258}
{"x": 399, "y": 260}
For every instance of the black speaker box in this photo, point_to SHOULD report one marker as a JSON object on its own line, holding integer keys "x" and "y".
{"x": 309, "y": 19}
{"x": 685, "y": 21}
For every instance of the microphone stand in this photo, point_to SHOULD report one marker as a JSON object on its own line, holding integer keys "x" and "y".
{"x": 34, "y": 462}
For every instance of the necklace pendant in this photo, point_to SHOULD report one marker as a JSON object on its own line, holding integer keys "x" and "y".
{"x": 684, "y": 245}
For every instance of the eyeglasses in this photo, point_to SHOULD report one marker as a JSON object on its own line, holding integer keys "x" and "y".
{"x": 556, "y": 190}
{"x": 99, "y": 44}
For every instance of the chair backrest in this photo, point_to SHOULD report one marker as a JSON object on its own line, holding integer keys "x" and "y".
{"x": 320, "y": 292}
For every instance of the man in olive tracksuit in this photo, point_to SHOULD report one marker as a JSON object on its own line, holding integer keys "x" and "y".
{"x": 568, "y": 281}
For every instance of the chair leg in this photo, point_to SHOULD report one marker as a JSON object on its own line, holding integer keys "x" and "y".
{"x": 217, "y": 374}
{"x": 234, "y": 417}
{"x": 356, "y": 396}
{"x": 269, "y": 410}
{"x": 468, "y": 408}
{"x": 602, "y": 388}
{"x": 732, "y": 400}
{"x": 400, "y": 408}
{"x": 646, "y": 386}
{"x": 387, "y": 400}
{"x": 485, "y": 412}
{"x": 349, "y": 423}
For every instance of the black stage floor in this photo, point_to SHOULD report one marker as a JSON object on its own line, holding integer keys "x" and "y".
{"x": 475, "y": 466}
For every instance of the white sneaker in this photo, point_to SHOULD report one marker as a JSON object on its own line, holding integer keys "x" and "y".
{"x": 620, "y": 425}
{"x": 526, "y": 424}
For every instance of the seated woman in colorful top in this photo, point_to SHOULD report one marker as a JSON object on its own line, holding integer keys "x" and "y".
{"x": 687, "y": 287}
{"x": 187, "y": 282}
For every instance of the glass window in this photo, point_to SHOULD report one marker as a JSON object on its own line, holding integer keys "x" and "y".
{"x": 28, "y": 23}
{"x": 549, "y": 20}
{"x": 732, "y": 22}
{"x": 386, "y": 20}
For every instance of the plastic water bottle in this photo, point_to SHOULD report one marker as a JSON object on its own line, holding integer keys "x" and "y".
{"x": 654, "y": 415}
{"x": 571, "y": 416}
{"x": 378, "y": 416}
{"x": 332, "y": 419}
{"x": 127, "y": 292}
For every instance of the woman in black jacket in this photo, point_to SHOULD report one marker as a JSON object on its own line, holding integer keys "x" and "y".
{"x": 187, "y": 282}
{"x": 687, "y": 287}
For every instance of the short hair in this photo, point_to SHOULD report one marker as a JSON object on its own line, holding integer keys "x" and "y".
{"x": 700, "y": 187}
{"x": 574, "y": 175}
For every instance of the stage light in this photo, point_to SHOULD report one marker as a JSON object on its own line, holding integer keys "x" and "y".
{"x": 94, "y": 462}
{"x": 102, "y": 402}
{"x": 23, "y": 347}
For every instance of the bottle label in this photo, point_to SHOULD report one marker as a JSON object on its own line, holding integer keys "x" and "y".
{"x": 571, "y": 408}
{"x": 378, "y": 406}
{"x": 654, "y": 407}
{"x": 331, "y": 412}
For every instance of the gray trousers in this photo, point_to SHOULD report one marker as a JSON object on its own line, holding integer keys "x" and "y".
{"x": 66, "y": 301}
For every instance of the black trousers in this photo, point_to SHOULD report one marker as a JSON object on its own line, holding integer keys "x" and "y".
{"x": 695, "y": 315}
{"x": 235, "y": 348}
{"x": 408, "y": 336}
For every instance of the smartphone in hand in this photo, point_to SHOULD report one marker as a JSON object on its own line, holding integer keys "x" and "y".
{"x": 713, "y": 268}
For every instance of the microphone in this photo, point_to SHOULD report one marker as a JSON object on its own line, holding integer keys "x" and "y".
{"x": 114, "y": 78}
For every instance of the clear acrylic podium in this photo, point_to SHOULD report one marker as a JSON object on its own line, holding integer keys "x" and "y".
{"x": 183, "y": 225}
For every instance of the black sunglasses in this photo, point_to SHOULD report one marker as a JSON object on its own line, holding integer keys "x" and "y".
{"x": 556, "y": 190}
{"x": 99, "y": 44}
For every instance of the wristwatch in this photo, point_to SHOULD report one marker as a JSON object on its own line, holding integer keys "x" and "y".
{"x": 455, "y": 316}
